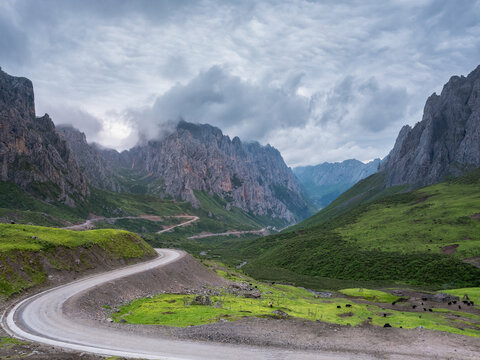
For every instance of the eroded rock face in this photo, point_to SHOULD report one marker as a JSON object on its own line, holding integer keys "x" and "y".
{"x": 199, "y": 157}
{"x": 32, "y": 153}
{"x": 446, "y": 141}
{"x": 92, "y": 164}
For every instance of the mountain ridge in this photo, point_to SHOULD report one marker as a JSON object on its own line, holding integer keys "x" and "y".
{"x": 199, "y": 157}
{"x": 446, "y": 142}
{"x": 33, "y": 155}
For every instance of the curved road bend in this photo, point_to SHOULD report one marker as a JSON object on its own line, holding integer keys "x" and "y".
{"x": 41, "y": 318}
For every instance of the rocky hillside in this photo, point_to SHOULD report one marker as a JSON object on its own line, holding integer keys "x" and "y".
{"x": 446, "y": 141}
{"x": 199, "y": 157}
{"x": 325, "y": 182}
{"x": 92, "y": 164}
{"x": 32, "y": 154}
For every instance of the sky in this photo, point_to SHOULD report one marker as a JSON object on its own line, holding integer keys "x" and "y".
{"x": 319, "y": 80}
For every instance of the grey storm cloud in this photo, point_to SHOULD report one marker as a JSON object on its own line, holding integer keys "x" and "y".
{"x": 13, "y": 42}
{"x": 365, "y": 103}
{"x": 79, "y": 119}
{"x": 238, "y": 107}
{"x": 320, "y": 80}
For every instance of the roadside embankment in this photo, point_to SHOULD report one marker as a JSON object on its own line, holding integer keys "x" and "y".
{"x": 35, "y": 256}
{"x": 186, "y": 275}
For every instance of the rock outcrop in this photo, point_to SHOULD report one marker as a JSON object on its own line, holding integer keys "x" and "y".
{"x": 92, "y": 164}
{"x": 32, "y": 154}
{"x": 325, "y": 182}
{"x": 199, "y": 157}
{"x": 447, "y": 140}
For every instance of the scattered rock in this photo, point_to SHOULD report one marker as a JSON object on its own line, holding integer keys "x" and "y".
{"x": 253, "y": 295}
{"x": 281, "y": 314}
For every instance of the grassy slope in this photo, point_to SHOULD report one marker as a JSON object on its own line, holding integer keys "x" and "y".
{"x": 21, "y": 207}
{"x": 23, "y": 248}
{"x": 394, "y": 239}
{"x": 366, "y": 190}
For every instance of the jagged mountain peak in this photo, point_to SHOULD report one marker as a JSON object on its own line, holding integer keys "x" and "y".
{"x": 32, "y": 153}
{"x": 446, "y": 141}
{"x": 199, "y": 157}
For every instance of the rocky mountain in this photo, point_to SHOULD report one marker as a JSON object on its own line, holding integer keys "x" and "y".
{"x": 32, "y": 153}
{"x": 199, "y": 157}
{"x": 446, "y": 141}
{"x": 325, "y": 182}
{"x": 92, "y": 164}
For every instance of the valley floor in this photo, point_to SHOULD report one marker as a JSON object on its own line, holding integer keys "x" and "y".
{"x": 188, "y": 276}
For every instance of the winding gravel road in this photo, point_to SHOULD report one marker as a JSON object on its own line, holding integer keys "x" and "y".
{"x": 41, "y": 318}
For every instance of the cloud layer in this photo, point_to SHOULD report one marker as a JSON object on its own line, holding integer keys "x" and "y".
{"x": 319, "y": 80}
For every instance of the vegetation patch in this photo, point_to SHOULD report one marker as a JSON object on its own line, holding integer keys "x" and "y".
{"x": 25, "y": 251}
{"x": 280, "y": 301}
{"x": 473, "y": 294}
{"x": 9, "y": 342}
{"x": 370, "y": 295}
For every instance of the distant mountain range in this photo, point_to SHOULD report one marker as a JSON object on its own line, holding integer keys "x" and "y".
{"x": 325, "y": 182}
{"x": 59, "y": 165}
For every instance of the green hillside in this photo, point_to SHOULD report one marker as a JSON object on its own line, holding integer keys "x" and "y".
{"x": 366, "y": 190}
{"x": 28, "y": 254}
{"x": 18, "y": 206}
{"x": 424, "y": 237}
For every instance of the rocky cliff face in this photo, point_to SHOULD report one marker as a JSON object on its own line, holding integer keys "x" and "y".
{"x": 92, "y": 164}
{"x": 325, "y": 182}
{"x": 446, "y": 141}
{"x": 32, "y": 154}
{"x": 199, "y": 157}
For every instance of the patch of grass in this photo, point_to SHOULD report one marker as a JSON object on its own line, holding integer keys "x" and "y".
{"x": 370, "y": 295}
{"x": 9, "y": 342}
{"x": 473, "y": 294}
{"x": 36, "y": 238}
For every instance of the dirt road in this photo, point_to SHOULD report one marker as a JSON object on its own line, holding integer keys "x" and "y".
{"x": 263, "y": 231}
{"x": 191, "y": 220}
{"x": 41, "y": 318}
{"x": 90, "y": 223}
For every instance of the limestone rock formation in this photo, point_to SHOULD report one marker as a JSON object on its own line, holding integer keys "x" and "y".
{"x": 446, "y": 141}
{"x": 199, "y": 157}
{"x": 32, "y": 154}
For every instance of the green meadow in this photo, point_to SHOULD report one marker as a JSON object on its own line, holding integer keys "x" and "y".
{"x": 177, "y": 309}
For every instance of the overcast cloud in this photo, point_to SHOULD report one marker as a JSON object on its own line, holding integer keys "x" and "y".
{"x": 319, "y": 80}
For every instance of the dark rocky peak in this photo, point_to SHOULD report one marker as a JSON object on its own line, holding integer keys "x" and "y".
{"x": 16, "y": 97}
{"x": 32, "y": 153}
{"x": 446, "y": 141}
{"x": 92, "y": 162}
